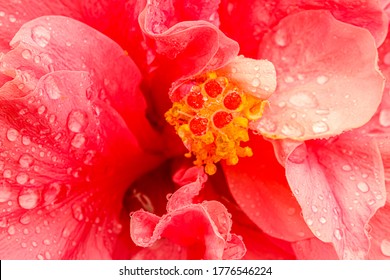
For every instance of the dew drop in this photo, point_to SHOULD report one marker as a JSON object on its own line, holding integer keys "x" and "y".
{"x": 7, "y": 173}
{"x": 292, "y": 130}
{"x": 52, "y": 89}
{"x": 303, "y": 100}
{"x": 47, "y": 255}
{"x": 77, "y": 212}
{"x": 363, "y": 187}
{"x": 385, "y": 247}
{"x": 40, "y": 35}
{"x": 26, "y": 140}
{"x": 317, "y": 233}
{"x": 3, "y": 222}
{"x": 40, "y": 257}
{"x": 337, "y": 234}
{"x": 309, "y": 222}
{"x": 51, "y": 193}
{"x": 281, "y": 38}
{"x": 11, "y": 230}
{"x": 289, "y": 79}
{"x": 320, "y": 127}
{"x": 255, "y": 82}
{"x": 25, "y": 219}
{"x": 321, "y": 80}
{"x": 5, "y": 191}
{"x": 26, "y": 54}
{"x": 371, "y": 202}
{"x": 77, "y": 121}
{"x": 28, "y": 198}
{"x": 384, "y": 117}
{"x": 65, "y": 233}
{"x": 314, "y": 209}
{"x": 46, "y": 242}
{"x": 41, "y": 110}
{"x": 347, "y": 167}
{"x": 26, "y": 161}
{"x": 78, "y": 141}
{"x": 322, "y": 220}
{"x": 322, "y": 112}
{"x": 22, "y": 178}
{"x": 12, "y": 134}
{"x": 12, "y": 18}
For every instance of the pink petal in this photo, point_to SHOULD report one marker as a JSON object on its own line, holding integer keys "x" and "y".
{"x": 256, "y": 17}
{"x": 380, "y": 232}
{"x": 339, "y": 184}
{"x": 259, "y": 186}
{"x": 325, "y": 70}
{"x": 257, "y": 77}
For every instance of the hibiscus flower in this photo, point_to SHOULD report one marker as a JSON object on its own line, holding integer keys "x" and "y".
{"x": 285, "y": 150}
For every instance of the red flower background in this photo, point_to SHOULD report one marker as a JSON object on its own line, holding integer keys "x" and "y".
{"x": 91, "y": 169}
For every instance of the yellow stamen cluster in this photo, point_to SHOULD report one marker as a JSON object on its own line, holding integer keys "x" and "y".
{"x": 212, "y": 120}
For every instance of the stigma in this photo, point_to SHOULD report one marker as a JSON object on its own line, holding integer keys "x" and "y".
{"x": 212, "y": 117}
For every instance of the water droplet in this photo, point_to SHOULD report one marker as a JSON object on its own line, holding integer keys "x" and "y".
{"x": 363, "y": 187}
{"x": 12, "y": 18}
{"x": 22, "y": 178}
{"x": 5, "y": 191}
{"x": 26, "y": 140}
{"x": 89, "y": 156}
{"x": 386, "y": 59}
{"x": 322, "y": 112}
{"x": 26, "y": 161}
{"x": 385, "y": 247}
{"x": 12, "y": 134}
{"x": 321, "y": 80}
{"x": 303, "y": 100}
{"x": 289, "y": 79}
{"x": 40, "y": 257}
{"x": 11, "y": 230}
{"x": 78, "y": 141}
{"x": 25, "y": 219}
{"x": 292, "y": 130}
{"x": 322, "y": 220}
{"x": 65, "y": 233}
{"x": 320, "y": 127}
{"x": 317, "y": 233}
{"x": 296, "y": 191}
{"x": 52, "y": 89}
{"x": 384, "y": 117}
{"x": 347, "y": 167}
{"x": 40, "y": 35}
{"x": 26, "y": 54}
{"x": 281, "y": 38}
{"x": 51, "y": 192}
{"x": 3, "y": 222}
{"x": 46, "y": 242}
{"x": 77, "y": 212}
{"x": 28, "y": 198}
{"x": 309, "y": 222}
{"x": 314, "y": 209}
{"x": 47, "y": 255}
{"x": 77, "y": 121}
{"x": 337, "y": 234}
{"x": 371, "y": 202}
{"x": 41, "y": 110}
{"x": 255, "y": 82}
{"x": 7, "y": 173}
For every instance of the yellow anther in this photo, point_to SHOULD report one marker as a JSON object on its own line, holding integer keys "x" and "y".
{"x": 212, "y": 120}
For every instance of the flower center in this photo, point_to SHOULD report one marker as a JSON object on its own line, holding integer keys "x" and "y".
{"x": 212, "y": 120}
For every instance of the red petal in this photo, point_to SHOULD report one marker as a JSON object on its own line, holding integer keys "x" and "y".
{"x": 187, "y": 47}
{"x": 339, "y": 184}
{"x": 314, "y": 249}
{"x": 259, "y": 186}
{"x": 201, "y": 231}
{"x": 325, "y": 69}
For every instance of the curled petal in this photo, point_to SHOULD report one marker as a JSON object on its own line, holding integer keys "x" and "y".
{"x": 328, "y": 81}
{"x": 201, "y": 231}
